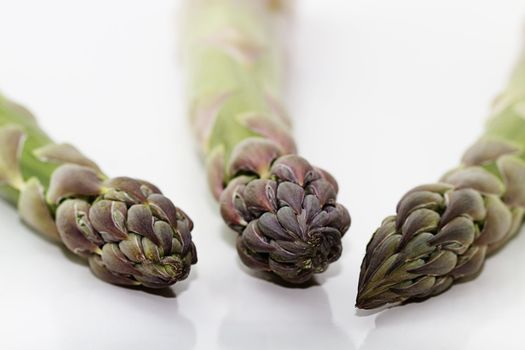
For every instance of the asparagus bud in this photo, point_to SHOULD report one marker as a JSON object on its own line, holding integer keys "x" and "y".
{"x": 130, "y": 233}
{"x": 284, "y": 209}
{"x": 443, "y": 232}
{"x": 288, "y": 223}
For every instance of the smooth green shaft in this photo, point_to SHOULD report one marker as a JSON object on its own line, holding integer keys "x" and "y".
{"x": 12, "y": 114}
{"x": 231, "y": 48}
{"x": 508, "y": 119}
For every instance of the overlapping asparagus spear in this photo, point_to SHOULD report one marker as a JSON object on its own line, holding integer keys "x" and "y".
{"x": 130, "y": 233}
{"x": 443, "y": 232}
{"x": 283, "y": 208}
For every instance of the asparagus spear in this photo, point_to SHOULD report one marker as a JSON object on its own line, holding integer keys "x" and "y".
{"x": 443, "y": 232}
{"x": 128, "y": 231}
{"x": 283, "y": 208}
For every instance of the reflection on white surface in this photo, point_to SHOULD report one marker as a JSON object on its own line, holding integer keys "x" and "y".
{"x": 269, "y": 316}
{"x": 155, "y": 321}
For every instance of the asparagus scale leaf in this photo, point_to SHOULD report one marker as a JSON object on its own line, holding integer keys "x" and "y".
{"x": 283, "y": 208}
{"x": 128, "y": 231}
{"x": 443, "y": 232}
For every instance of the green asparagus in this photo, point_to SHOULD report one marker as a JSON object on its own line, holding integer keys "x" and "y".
{"x": 443, "y": 232}
{"x": 128, "y": 231}
{"x": 283, "y": 208}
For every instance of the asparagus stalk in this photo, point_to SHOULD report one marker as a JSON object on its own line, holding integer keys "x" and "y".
{"x": 283, "y": 208}
{"x": 443, "y": 232}
{"x": 128, "y": 231}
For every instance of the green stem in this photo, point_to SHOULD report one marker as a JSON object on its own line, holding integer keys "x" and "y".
{"x": 9, "y": 194}
{"x": 508, "y": 119}
{"x": 31, "y": 166}
{"x": 231, "y": 48}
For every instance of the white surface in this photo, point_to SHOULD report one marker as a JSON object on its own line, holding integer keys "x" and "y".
{"x": 390, "y": 92}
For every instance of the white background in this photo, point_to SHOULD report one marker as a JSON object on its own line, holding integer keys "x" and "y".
{"x": 385, "y": 94}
